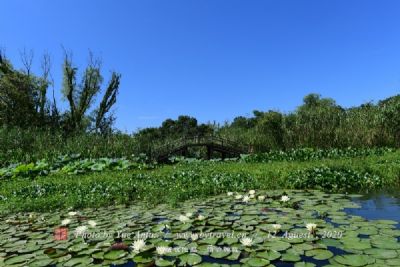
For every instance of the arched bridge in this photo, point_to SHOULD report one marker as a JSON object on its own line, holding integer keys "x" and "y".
{"x": 180, "y": 146}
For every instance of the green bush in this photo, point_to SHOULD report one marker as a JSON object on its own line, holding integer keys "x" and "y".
{"x": 334, "y": 179}
{"x": 306, "y": 154}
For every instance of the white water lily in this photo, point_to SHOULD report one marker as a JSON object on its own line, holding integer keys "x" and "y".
{"x": 200, "y": 217}
{"x": 246, "y": 199}
{"x": 311, "y": 227}
{"x": 162, "y": 250}
{"x": 138, "y": 245}
{"x": 252, "y": 192}
{"x": 184, "y": 218}
{"x": 92, "y": 223}
{"x": 246, "y": 241}
{"x": 80, "y": 230}
{"x": 194, "y": 237}
{"x": 238, "y": 197}
{"x": 277, "y": 227}
{"x": 65, "y": 222}
{"x": 261, "y": 198}
{"x": 230, "y": 194}
{"x": 72, "y": 213}
{"x": 252, "y": 196}
{"x": 285, "y": 198}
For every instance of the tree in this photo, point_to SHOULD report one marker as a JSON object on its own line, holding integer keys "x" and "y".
{"x": 390, "y": 109}
{"x": 269, "y": 126}
{"x": 81, "y": 96}
{"x": 22, "y": 101}
{"x": 317, "y": 120}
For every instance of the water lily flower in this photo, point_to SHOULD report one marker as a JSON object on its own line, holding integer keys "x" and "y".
{"x": 261, "y": 198}
{"x": 92, "y": 223}
{"x": 72, "y": 213}
{"x": 184, "y": 218}
{"x": 246, "y": 241}
{"x": 201, "y": 217}
{"x": 285, "y": 198}
{"x": 311, "y": 227}
{"x": 162, "y": 250}
{"x": 189, "y": 214}
{"x": 138, "y": 245}
{"x": 246, "y": 199}
{"x": 252, "y": 192}
{"x": 80, "y": 230}
{"x": 238, "y": 197}
{"x": 65, "y": 222}
{"x": 230, "y": 194}
{"x": 277, "y": 227}
{"x": 194, "y": 237}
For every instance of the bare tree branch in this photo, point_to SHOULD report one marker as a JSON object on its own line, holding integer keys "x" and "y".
{"x": 27, "y": 59}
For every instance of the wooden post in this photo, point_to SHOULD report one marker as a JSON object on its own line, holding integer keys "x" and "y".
{"x": 209, "y": 152}
{"x": 185, "y": 152}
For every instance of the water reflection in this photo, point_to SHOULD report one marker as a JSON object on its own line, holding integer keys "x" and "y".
{"x": 378, "y": 206}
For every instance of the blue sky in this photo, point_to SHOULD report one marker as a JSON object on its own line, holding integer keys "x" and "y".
{"x": 216, "y": 59}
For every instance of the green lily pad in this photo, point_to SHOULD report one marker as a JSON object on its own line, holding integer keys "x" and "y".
{"x": 319, "y": 254}
{"x": 18, "y": 259}
{"x": 257, "y": 262}
{"x": 163, "y": 262}
{"x": 304, "y": 264}
{"x": 114, "y": 255}
{"x": 354, "y": 260}
{"x": 190, "y": 259}
{"x": 269, "y": 255}
{"x": 381, "y": 253}
{"x": 290, "y": 257}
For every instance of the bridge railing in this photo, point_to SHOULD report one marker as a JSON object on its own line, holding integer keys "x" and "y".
{"x": 198, "y": 140}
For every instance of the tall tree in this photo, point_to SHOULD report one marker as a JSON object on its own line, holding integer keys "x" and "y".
{"x": 82, "y": 96}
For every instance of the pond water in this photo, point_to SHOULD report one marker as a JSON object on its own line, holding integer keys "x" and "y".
{"x": 373, "y": 206}
{"x": 377, "y": 206}
{"x": 368, "y": 225}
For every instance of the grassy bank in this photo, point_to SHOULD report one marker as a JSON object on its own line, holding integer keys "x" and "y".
{"x": 175, "y": 183}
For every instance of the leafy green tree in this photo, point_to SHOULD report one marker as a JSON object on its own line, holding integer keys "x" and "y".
{"x": 391, "y": 117}
{"x": 22, "y": 97}
{"x": 317, "y": 120}
{"x": 270, "y": 131}
{"x": 81, "y": 96}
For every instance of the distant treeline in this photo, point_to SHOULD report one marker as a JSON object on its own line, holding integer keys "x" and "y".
{"x": 32, "y": 126}
{"x": 317, "y": 123}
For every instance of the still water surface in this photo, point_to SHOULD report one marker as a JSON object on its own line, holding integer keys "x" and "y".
{"x": 373, "y": 206}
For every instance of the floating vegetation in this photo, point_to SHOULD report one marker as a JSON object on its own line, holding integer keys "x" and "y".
{"x": 72, "y": 164}
{"x": 306, "y": 154}
{"x": 336, "y": 179}
{"x": 300, "y": 228}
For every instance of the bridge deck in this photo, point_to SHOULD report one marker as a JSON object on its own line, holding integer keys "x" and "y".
{"x": 212, "y": 143}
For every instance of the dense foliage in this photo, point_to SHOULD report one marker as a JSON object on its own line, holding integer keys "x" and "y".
{"x": 190, "y": 180}
{"x": 320, "y": 123}
{"x": 24, "y": 97}
{"x": 73, "y": 165}
{"x": 32, "y": 126}
{"x": 335, "y": 179}
{"x": 304, "y": 154}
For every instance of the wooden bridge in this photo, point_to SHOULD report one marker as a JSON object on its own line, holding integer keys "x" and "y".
{"x": 181, "y": 146}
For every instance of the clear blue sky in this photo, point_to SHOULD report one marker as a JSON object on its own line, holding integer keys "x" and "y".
{"x": 216, "y": 59}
